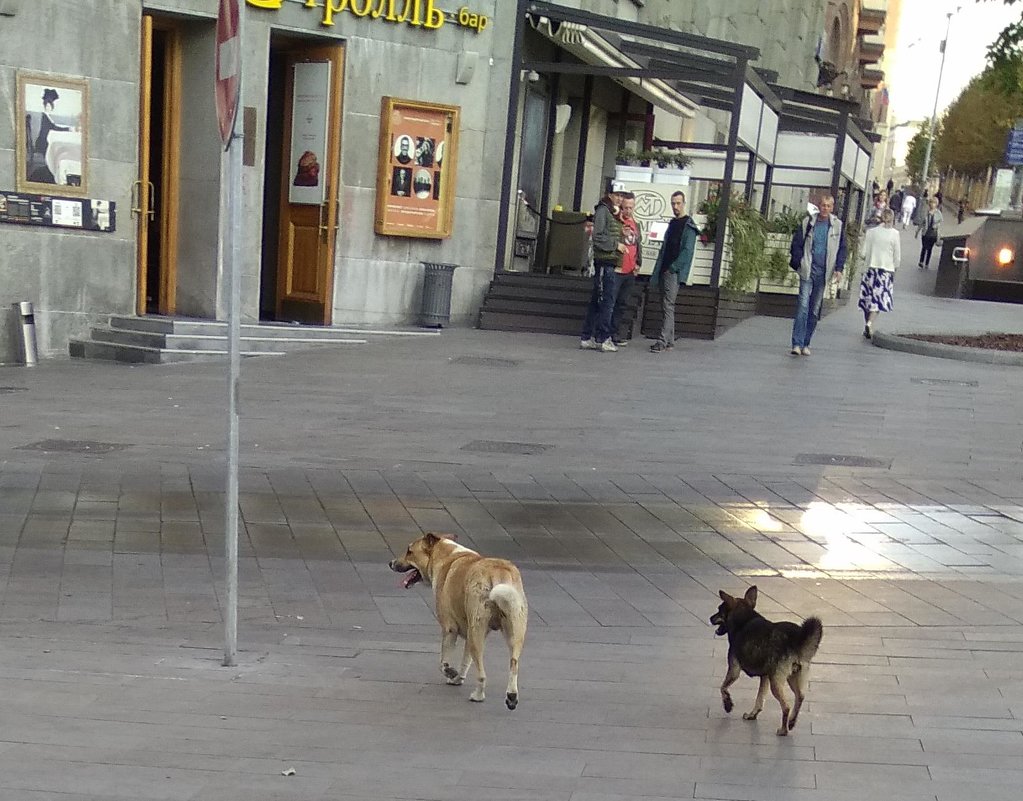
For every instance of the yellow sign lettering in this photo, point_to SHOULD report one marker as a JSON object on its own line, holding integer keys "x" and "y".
{"x": 434, "y": 17}
{"x": 331, "y": 8}
{"x": 414, "y": 7}
{"x": 271, "y": 4}
{"x": 468, "y": 19}
{"x": 364, "y": 12}
{"x": 379, "y": 11}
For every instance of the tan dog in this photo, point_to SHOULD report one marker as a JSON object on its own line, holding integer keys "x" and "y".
{"x": 473, "y": 595}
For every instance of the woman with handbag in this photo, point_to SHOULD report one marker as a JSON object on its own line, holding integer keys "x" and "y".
{"x": 882, "y": 252}
{"x": 931, "y": 225}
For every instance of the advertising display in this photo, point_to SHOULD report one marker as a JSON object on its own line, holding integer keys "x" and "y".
{"x": 418, "y": 148}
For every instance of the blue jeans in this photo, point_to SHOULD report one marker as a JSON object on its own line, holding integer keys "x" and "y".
{"x": 808, "y": 310}
{"x": 623, "y": 288}
{"x": 602, "y": 301}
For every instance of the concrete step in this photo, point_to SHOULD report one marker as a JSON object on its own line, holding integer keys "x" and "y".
{"x": 200, "y": 342}
{"x": 140, "y": 354}
{"x": 189, "y": 326}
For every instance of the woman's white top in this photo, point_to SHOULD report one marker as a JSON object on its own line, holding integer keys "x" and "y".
{"x": 882, "y": 249}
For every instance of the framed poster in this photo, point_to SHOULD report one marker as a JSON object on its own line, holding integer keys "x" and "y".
{"x": 416, "y": 169}
{"x": 311, "y": 95}
{"x": 52, "y": 123}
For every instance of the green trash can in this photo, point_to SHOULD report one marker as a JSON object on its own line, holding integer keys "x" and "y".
{"x": 436, "y": 311}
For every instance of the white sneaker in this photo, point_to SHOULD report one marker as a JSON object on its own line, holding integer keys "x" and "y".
{"x": 608, "y": 346}
{"x": 796, "y": 351}
{"x": 587, "y": 344}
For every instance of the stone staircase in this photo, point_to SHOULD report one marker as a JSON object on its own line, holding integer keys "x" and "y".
{"x": 164, "y": 340}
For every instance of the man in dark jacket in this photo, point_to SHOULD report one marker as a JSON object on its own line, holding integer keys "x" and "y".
{"x": 674, "y": 263}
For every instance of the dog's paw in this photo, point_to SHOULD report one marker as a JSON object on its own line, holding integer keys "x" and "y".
{"x": 478, "y": 696}
{"x": 782, "y": 731}
{"x": 511, "y": 700}
{"x": 792, "y": 724}
{"x": 449, "y": 671}
{"x": 455, "y": 680}
{"x": 750, "y": 715}
{"x": 726, "y": 702}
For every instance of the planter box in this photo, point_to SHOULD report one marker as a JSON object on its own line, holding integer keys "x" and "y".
{"x": 700, "y": 312}
{"x": 635, "y": 174}
{"x": 671, "y": 175}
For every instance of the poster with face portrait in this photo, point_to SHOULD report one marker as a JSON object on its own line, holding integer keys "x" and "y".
{"x": 418, "y": 143}
{"x": 52, "y": 134}
{"x": 310, "y": 93}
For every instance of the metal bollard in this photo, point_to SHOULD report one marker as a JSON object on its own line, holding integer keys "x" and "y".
{"x": 28, "y": 332}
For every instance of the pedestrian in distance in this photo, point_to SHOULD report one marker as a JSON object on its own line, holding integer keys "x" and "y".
{"x": 817, "y": 253}
{"x": 882, "y": 253}
{"x": 632, "y": 260}
{"x": 961, "y": 213}
{"x": 673, "y": 266}
{"x": 608, "y": 249}
{"x": 931, "y": 227}
{"x": 896, "y": 200}
{"x": 908, "y": 208}
{"x": 880, "y": 204}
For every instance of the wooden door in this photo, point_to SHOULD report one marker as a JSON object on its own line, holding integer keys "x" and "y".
{"x": 155, "y": 193}
{"x": 308, "y": 233}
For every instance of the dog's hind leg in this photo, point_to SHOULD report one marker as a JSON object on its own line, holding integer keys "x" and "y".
{"x": 447, "y": 644}
{"x": 475, "y": 637}
{"x": 798, "y": 681}
{"x": 759, "y": 703}
{"x": 514, "y": 631}
{"x": 730, "y": 677}
{"x": 778, "y": 692}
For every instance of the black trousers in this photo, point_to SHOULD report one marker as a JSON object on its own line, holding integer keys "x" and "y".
{"x": 927, "y": 245}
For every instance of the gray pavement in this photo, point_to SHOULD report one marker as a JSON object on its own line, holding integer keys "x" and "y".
{"x": 879, "y": 490}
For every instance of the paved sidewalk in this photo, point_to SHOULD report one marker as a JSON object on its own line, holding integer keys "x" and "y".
{"x": 879, "y": 490}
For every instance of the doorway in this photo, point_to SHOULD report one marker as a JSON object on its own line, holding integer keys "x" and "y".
{"x": 155, "y": 193}
{"x": 302, "y": 165}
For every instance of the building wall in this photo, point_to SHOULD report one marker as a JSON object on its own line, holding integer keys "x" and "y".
{"x": 72, "y": 277}
{"x": 77, "y": 279}
{"x": 786, "y": 31}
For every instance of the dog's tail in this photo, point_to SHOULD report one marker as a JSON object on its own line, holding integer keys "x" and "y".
{"x": 509, "y": 599}
{"x": 810, "y": 634}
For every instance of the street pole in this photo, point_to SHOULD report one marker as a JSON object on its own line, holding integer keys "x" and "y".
{"x": 231, "y": 167}
{"x": 934, "y": 114}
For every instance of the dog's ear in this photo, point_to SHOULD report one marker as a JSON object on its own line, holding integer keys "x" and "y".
{"x": 751, "y": 596}
{"x": 431, "y": 539}
{"x": 728, "y": 599}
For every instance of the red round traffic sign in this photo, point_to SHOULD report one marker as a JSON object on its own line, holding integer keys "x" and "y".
{"x": 228, "y": 67}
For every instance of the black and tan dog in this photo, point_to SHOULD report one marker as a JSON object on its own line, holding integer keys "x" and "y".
{"x": 774, "y": 652}
{"x": 473, "y": 596}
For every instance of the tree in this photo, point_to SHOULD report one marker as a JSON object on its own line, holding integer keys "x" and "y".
{"x": 1008, "y": 47}
{"x": 975, "y": 126}
{"x": 915, "y": 155}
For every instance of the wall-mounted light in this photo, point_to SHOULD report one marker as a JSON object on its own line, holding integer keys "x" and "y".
{"x": 1005, "y": 257}
{"x": 8, "y": 8}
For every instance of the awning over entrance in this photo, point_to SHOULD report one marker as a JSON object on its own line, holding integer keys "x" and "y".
{"x": 775, "y": 134}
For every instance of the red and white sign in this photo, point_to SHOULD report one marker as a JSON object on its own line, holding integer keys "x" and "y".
{"x": 228, "y": 66}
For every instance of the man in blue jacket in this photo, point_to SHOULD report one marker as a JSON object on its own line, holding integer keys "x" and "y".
{"x": 674, "y": 263}
{"x": 818, "y": 254}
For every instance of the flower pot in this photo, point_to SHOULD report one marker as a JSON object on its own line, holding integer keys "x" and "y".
{"x": 633, "y": 173}
{"x": 671, "y": 175}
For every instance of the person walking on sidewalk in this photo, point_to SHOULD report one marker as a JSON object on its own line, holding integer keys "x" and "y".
{"x": 818, "y": 254}
{"x": 930, "y": 224}
{"x": 607, "y": 256}
{"x": 674, "y": 263}
{"x": 632, "y": 260}
{"x": 908, "y": 208}
{"x": 882, "y": 253}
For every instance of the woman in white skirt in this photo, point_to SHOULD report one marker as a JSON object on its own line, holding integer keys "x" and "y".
{"x": 881, "y": 256}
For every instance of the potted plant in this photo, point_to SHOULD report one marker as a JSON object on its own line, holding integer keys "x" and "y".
{"x": 671, "y": 167}
{"x": 629, "y": 166}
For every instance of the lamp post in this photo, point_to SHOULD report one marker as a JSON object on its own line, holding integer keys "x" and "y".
{"x": 934, "y": 113}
